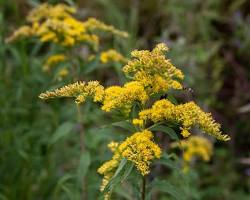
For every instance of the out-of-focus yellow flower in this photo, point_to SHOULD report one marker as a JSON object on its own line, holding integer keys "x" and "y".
{"x": 56, "y": 24}
{"x": 112, "y": 55}
{"x": 153, "y": 70}
{"x": 22, "y": 32}
{"x": 53, "y": 60}
{"x": 187, "y": 114}
{"x": 138, "y": 122}
{"x": 79, "y": 90}
{"x": 113, "y": 146}
{"x": 194, "y": 147}
{"x": 62, "y": 73}
{"x": 93, "y": 24}
{"x": 45, "y": 11}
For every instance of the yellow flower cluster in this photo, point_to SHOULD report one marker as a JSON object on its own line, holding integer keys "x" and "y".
{"x": 141, "y": 150}
{"x": 138, "y": 148}
{"x": 79, "y": 90}
{"x": 124, "y": 97}
{"x": 53, "y": 60}
{"x": 108, "y": 168}
{"x": 187, "y": 114}
{"x": 46, "y": 10}
{"x": 112, "y": 55}
{"x": 151, "y": 73}
{"x": 62, "y": 73}
{"x": 56, "y": 24}
{"x": 113, "y": 97}
{"x": 138, "y": 122}
{"x": 93, "y": 24}
{"x": 153, "y": 70}
{"x": 193, "y": 147}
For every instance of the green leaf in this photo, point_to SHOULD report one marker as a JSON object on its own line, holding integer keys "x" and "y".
{"x": 61, "y": 184}
{"x": 122, "y": 172}
{"x": 166, "y": 130}
{"x": 61, "y": 132}
{"x": 125, "y": 125}
{"x": 83, "y": 168}
{"x": 166, "y": 187}
{"x": 172, "y": 99}
{"x": 172, "y": 164}
{"x": 123, "y": 193}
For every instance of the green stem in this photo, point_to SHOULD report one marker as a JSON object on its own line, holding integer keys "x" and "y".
{"x": 82, "y": 147}
{"x": 143, "y": 191}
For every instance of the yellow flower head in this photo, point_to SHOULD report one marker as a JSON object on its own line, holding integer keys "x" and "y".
{"x": 56, "y": 24}
{"x": 112, "y": 55}
{"x": 194, "y": 147}
{"x": 93, "y": 24}
{"x": 46, "y": 10}
{"x": 53, "y": 60}
{"x": 62, "y": 73}
{"x": 138, "y": 122}
{"x": 138, "y": 148}
{"x": 153, "y": 70}
{"x": 187, "y": 114}
{"x": 113, "y": 146}
{"x": 22, "y": 32}
{"x": 124, "y": 97}
{"x": 79, "y": 90}
{"x": 141, "y": 150}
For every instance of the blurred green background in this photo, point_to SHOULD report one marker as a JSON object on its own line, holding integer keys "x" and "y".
{"x": 40, "y": 150}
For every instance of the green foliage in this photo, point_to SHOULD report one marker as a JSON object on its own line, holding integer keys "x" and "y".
{"x": 41, "y": 148}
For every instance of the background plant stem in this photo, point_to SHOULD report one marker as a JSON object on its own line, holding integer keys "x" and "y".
{"x": 82, "y": 147}
{"x": 143, "y": 191}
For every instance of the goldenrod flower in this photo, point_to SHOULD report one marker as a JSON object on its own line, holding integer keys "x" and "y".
{"x": 56, "y": 24}
{"x": 79, "y": 90}
{"x": 138, "y": 122}
{"x": 22, "y": 32}
{"x": 124, "y": 97}
{"x": 187, "y": 114}
{"x": 138, "y": 148}
{"x": 46, "y": 10}
{"x": 153, "y": 70}
{"x": 194, "y": 147}
{"x": 53, "y": 60}
{"x": 108, "y": 168}
{"x": 62, "y": 73}
{"x": 112, "y": 55}
{"x": 93, "y": 24}
{"x": 113, "y": 146}
{"x": 141, "y": 150}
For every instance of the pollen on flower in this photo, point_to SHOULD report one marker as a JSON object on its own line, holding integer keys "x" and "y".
{"x": 187, "y": 114}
